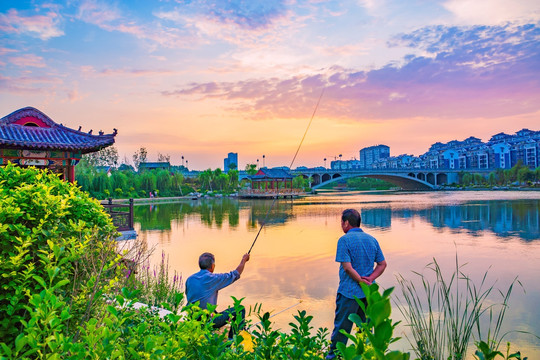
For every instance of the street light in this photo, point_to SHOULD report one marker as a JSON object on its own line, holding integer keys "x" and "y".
{"x": 264, "y": 163}
{"x": 325, "y": 163}
{"x": 182, "y": 160}
{"x": 257, "y": 163}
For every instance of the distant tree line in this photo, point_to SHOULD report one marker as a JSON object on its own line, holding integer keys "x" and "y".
{"x": 519, "y": 174}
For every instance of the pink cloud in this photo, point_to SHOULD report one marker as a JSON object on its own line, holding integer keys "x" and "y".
{"x": 40, "y": 26}
{"x": 91, "y": 71}
{"x": 489, "y": 72}
{"x": 27, "y": 85}
{"x": 28, "y": 60}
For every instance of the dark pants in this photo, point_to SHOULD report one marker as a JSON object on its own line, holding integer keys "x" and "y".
{"x": 344, "y": 307}
{"x": 229, "y": 316}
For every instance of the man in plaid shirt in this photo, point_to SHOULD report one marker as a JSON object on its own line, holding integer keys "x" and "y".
{"x": 361, "y": 260}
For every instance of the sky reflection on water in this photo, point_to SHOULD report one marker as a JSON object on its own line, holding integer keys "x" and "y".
{"x": 294, "y": 256}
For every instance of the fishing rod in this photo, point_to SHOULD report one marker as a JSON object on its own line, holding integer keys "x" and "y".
{"x": 290, "y": 167}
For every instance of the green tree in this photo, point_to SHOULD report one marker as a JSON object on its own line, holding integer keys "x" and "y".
{"x": 164, "y": 182}
{"x": 105, "y": 157}
{"x": 119, "y": 180}
{"x": 206, "y": 177}
{"x": 492, "y": 179}
{"x": 147, "y": 181}
{"x": 251, "y": 169}
{"x": 163, "y": 157}
{"x": 233, "y": 180}
{"x": 300, "y": 182}
{"x": 467, "y": 179}
{"x": 523, "y": 175}
{"x": 101, "y": 185}
{"x": 139, "y": 156}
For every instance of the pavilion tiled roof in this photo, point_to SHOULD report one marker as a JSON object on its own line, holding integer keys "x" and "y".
{"x": 54, "y": 136}
{"x": 266, "y": 173}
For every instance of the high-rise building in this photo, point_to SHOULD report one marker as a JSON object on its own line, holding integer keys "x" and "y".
{"x": 372, "y": 154}
{"x": 230, "y": 162}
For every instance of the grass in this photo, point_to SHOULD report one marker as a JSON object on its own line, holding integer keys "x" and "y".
{"x": 443, "y": 312}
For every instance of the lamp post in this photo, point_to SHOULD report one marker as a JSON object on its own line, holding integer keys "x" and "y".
{"x": 325, "y": 163}
{"x": 340, "y": 164}
{"x": 257, "y": 163}
{"x": 182, "y": 160}
{"x": 264, "y": 163}
{"x": 187, "y": 165}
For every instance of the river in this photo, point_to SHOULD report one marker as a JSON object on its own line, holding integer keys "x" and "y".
{"x": 293, "y": 259}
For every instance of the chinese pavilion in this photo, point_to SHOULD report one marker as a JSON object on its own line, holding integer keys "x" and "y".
{"x": 28, "y": 137}
{"x": 276, "y": 182}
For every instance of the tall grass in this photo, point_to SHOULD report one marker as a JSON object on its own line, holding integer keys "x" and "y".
{"x": 443, "y": 312}
{"x": 157, "y": 286}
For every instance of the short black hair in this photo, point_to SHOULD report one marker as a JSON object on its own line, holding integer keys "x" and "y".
{"x": 206, "y": 260}
{"x": 352, "y": 216}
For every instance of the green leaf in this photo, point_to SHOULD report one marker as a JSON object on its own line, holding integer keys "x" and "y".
{"x": 6, "y": 349}
{"x": 20, "y": 342}
{"x": 40, "y": 280}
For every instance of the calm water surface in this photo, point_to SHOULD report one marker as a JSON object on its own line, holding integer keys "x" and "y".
{"x": 293, "y": 258}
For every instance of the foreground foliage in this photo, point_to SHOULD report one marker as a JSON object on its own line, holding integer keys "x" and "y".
{"x": 51, "y": 235}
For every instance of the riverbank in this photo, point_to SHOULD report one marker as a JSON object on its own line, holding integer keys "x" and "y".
{"x": 172, "y": 199}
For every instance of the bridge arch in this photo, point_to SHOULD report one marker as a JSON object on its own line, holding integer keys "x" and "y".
{"x": 326, "y": 177}
{"x": 442, "y": 178}
{"x": 402, "y": 180}
{"x": 421, "y": 176}
{"x": 430, "y": 178}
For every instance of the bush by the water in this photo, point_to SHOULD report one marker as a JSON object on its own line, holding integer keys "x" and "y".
{"x": 52, "y": 236}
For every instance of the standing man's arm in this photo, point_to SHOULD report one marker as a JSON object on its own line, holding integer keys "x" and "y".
{"x": 379, "y": 269}
{"x": 353, "y": 273}
{"x": 243, "y": 262}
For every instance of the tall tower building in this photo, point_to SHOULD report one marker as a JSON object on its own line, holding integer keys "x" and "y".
{"x": 230, "y": 162}
{"x": 372, "y": 154}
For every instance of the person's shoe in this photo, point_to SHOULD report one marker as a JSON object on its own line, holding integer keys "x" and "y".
{"x": 330, "y": 356}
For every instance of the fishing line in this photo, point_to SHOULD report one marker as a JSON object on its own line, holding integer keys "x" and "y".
{"x": 279, "y": 312}
{"x": 290, "y": 167}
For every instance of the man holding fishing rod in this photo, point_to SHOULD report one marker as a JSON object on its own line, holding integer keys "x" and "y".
{"x": 204, "y": 285}
{"x": 362, "y": 261}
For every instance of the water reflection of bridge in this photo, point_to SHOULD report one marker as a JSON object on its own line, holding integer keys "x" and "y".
{"x": 504, "y": 218}
{"x": 509, "y": 218}
{"x": 407, "y": 179}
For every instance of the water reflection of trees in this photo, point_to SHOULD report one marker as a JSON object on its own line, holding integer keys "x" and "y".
{"x": 505, "y": 218}
{"x": 213, "y": 212}
{"x": 270, "y": 212}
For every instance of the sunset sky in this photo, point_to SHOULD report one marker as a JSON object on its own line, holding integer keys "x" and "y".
{"x": 200, "y": 79}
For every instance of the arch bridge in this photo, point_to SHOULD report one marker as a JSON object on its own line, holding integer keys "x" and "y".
{"x": 407, "y": 179}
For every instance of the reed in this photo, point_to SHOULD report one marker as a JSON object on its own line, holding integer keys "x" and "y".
{"x": 443, "y": 312}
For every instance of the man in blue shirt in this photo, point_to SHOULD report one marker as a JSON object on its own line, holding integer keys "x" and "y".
{"x": 203, "y": 287}
{"x": 361, "y": 261}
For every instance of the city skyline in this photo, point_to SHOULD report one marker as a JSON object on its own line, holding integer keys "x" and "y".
{"x": 200, "y": 79}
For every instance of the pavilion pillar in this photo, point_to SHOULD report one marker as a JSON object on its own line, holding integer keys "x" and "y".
{"x": 71, "y": 173}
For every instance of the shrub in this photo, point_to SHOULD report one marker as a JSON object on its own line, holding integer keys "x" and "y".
{"x": 41, "y": 218}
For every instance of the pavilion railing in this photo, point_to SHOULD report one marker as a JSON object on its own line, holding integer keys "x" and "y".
{"x": 276, "y": 192}
{"x": 121, "y": 214}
